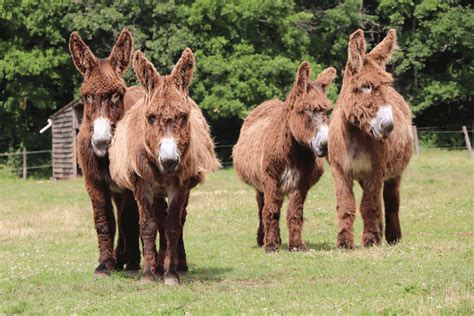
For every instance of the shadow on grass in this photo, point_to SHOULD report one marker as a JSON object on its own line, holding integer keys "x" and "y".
{"x": 319, "y": 246}
{"x": 206, "y": 274}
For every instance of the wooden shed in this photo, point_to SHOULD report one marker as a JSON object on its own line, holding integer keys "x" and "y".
{"x": 64, "y": 128}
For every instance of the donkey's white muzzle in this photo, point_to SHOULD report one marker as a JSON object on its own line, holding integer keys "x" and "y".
{"x": 102, "y": 136}
{"x": 168, "y": 156}
{"x": 319, "y": 143}
{"x": 382, "y": 125}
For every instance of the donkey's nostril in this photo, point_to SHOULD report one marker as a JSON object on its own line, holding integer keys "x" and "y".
{"x": 169, "y": 164}
{"x": 101, "y": 142}
{"x": 387, "y": 126}
{"x": 324, "y": 144}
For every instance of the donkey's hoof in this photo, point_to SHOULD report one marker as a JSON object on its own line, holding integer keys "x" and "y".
{"x": 370, "y": 239}
{"x": 392, "y": 239}
{"x": 271, "y": 248}
{"x": 171, "y": 280}
{"x": 297, "y": 247}
{"x": 102, "y": 271}
{"x": 345, "y": 240}
{"x": 147, "y": 278}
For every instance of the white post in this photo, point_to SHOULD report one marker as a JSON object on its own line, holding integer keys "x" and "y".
{"x": 468, "y": 141}
{"x": 25, "y": 167}
{"x": 415, "y": 139}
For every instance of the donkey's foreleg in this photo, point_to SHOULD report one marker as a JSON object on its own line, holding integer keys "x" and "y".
{"x": 371, "y": 211}
{"x": 104, "y": 222}
{"x": 148, "y": 229}
{"x": 345, "y": 207}
{"x": 260, "y": 230}
{"x": 173, "y": 230}
{"x": 391, "y": 198}
{"x": 271, "y": 218}
{"x": 294, "y": 220}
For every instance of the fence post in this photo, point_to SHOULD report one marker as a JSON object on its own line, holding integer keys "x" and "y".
{"x": 25, "y": 167}
{"x": 415, "y": 138}
{"x": 468, "y": 141}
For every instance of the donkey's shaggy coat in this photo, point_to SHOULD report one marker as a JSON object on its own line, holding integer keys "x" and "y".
{"x": 162, "y": 148}
{"x": 370, "y": 141}
{"x": 106, "y": 99}
{"x": 276, "y": 152}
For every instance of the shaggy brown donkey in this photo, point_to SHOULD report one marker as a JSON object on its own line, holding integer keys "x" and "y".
{"x": 277, "y": 154}
{"x": 370, "y": 141}
{"x": 162, "y": 148}
{"x": 106, "y": 99}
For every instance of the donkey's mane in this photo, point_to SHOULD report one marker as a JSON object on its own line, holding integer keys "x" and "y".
{"x": 127, "y": 158}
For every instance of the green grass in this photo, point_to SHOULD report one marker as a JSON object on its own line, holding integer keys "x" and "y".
{"x": 48, "y": 252}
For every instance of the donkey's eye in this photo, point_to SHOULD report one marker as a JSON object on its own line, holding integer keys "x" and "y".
{"x": 115, "y": 97}
{"x": 152, "y": 119}
{"x": 366, "y": 88}
{"x": 182, "y": 118}
{"x": 310, "y": 113}
{"x": 88, "y": 98}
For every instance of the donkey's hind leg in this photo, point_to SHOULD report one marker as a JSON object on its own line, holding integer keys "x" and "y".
{"x": 120, "y": 248}
{"x": 391, "y": 198}
{"x": 182, "y": 261}
{"x": 260, "y": 231}
{"x": 160, "y": 207}
{"x": 131, "y": 232}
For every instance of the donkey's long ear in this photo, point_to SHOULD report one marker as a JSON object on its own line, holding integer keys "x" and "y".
{"x": 182, "y": 73}
{"x": 382, "y": 53}
{"x": 122, "y": 52}
{"x": 326, "y": 77}
{"x": 302, "y": 79}
{"x": 356, "y": 51}
{"x": 145, "y": 71}
{"x": 83, "y": 58}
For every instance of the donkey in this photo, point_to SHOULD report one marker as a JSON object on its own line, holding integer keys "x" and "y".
{"x": 278, "y": 153}
{"x": 106, "y": 99}
{"x": 162, "y": 148}
{"x": 370, "y": 141}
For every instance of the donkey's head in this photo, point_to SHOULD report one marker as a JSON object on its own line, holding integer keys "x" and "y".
{"x": 307, "y": 109}
{"x": 166, "y": 110}
{"x": 103, "y": 87}
{"x": 366, "y": 82}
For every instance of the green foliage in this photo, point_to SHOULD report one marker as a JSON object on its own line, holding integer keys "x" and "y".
{"x": 247, "y": 51}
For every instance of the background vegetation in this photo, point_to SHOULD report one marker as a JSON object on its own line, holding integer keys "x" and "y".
{"x": 247, "y": 51}
{"x": 49, "y": 246}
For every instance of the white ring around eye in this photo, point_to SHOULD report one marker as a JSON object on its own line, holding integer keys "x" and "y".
{"x": 115, "y": 97}
{"x": 89, "y": 98}
{"x": 367, "y": 89}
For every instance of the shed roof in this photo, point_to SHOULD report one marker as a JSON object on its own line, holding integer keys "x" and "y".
{"x": 73, "y": 103}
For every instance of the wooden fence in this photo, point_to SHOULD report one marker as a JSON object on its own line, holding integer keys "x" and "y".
{"x": 224, "y": 150}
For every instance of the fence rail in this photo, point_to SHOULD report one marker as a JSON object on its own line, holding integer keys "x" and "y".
{"x": 24, "y": 168}
{"x": 428, "y": 130}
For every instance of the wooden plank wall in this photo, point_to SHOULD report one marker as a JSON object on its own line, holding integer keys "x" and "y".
{"x": 64, "y": 144}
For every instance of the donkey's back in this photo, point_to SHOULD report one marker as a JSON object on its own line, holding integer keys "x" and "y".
{"x": 256, "y": 135}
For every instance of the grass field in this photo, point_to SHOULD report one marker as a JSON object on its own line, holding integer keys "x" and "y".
{"x": 48, "y": 253}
